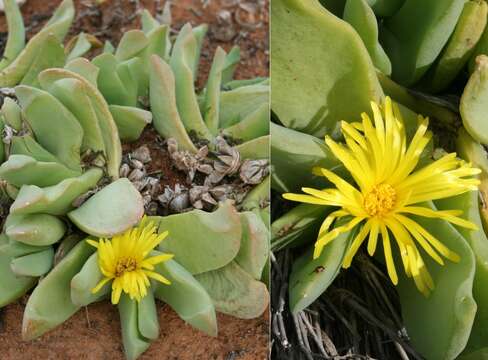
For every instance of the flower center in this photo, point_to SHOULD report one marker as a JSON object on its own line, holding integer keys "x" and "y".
{"x": 380, "y": 200}
{"x": 125, "y": 265}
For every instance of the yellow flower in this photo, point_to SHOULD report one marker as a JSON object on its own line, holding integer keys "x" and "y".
{"x": 123, "y": 260}
{"x": 388, "y": 188}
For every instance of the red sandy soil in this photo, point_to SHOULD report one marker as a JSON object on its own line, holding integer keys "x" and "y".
{"x": 94, "y": 332}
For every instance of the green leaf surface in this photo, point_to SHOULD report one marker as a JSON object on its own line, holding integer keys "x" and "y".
{"x": 235, "y": 292}
{"x": 12, "y": 286}
{"x": 57, "y": 199}
{"x": 107, "y": 125}
{"x": 130, "y": 121}
{"x": 294, "y": 154}
{"x": 54, "y": 126}
{"x": 16, "y": 33}
{"x": 50, "y": 303}
{"x": 322, "y": 72}
{"x": 36, "y": 264}
{"x": 416, "y": 34}
{"x": 460, "y": 46}
{"x": 134, "y": 343}
{"x": 450, "y": 309}
{"x": 113, "y": 210}
{"x": 362, "y": 18}
{"x": 474, "y": 103}
{"x": 182, "y": 63}
{"x": 254, "y": 125}
{"x": 35, "y": 229}
{"x": 257, "y": 148}
{"x": 186, "y": 296}
{"x": 254, "y": 250}
{"x": 310, "y": 277}
{"x": 213, "y": 237}
{"x": 84, "y": 281}
{"x": 162, "y": 96}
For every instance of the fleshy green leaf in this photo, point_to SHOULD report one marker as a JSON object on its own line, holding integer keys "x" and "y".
{"x": 50, "y": 303}
{"x": 450, "y": 309}
{"x": 112, "y": 210}
{"x": 57, "y": 199}
{"x": 35, "y": 229}
{"x": 213, "y": 237}
{"x": 130, "y": 121}
{"x": 134, "y": 343}
{"x": 36, "y": 264}
{"x": 322, "y": 78}
{"x": 84, "y": 281}
{"x": 186, "y": 296}
{"x": 235, "y": 292}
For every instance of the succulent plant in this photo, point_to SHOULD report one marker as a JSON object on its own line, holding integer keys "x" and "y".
{"x": 66, "y": 183}
{"x": 431, "y": 46}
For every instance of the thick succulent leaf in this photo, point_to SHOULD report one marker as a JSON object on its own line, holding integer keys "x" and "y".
{"x": 468, "y": 203}
{"x": 212, "y": 91}
{"x": 234, "y": 84}
{"x": 36, "y": 264}
{"x": 363, "y": 20}
{"x": 12, "y": 113}
{"x": 12, "y": 286}
{"x": 84, "y": 281}
{"x": 231, "y": 61}
{"x": 106, "y": 122}
{"x": 182, "y": 63}
{"x": 50, "y": 303}
{"x": 109, "y": 82}
{"x": 310, "y": 277}
{"x": 147, "y": 317}
{"x": 57, "y": 199}
{"x": 237, "y": 104}
{"x": 257, "y": 148}
{"x": 257, "y": 197}
{"x": 133, "y": 75}
{"x": 235, "y": 292}
{"x": 16, "y": 33}
{"x": 71, "y": 93}
{"x": 54, "y": 126}
{"x": 416, "y": 34}
{"x": 21, "y": 170}
{"x": 472, "y": 151}
{"x": 199, "y": 33}
{"x": 108, "y": 48}
{"x": 481, "y": 48}
{"x": 84, "y": 68}
{"x": 252, "y": 126}
{"x": 294, "y": 155}
{"x": 77, "y": 47}
{"x": 132, "y": 43}
{"x": 214, "y": 238}
{"x": 148, "y": 22}
{"x": 35, "y": 229}
{"x": 112, "y": 210}
{"x": 460, "y": 46}
{"x": 481, "y": 354}
{"x": 298, "y": 226}
{"x": 385, "y": 8}
{"x": 449, "y": 311}
{"x": 474, "y": 104}
{"x": 130, "y": 121}
{"x": 57, "y": 25}
{"x": 254, "y": 250}
{"x": 186, "y": 296}
{"x": 51, "y": 54}
{"x": 163, "y": 104}
{"x": 26, "y": 145}
{"x": 134, "y": 343}
{"x": 313, "y": 86}
{"x": 159, "y": 45}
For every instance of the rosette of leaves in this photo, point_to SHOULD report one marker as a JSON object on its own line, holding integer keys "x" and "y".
{"x": 427, "y": 43}
{"x": 61, "y": 183}
{"x": 22, "y": 62}
{"x": 148, "y": 68}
